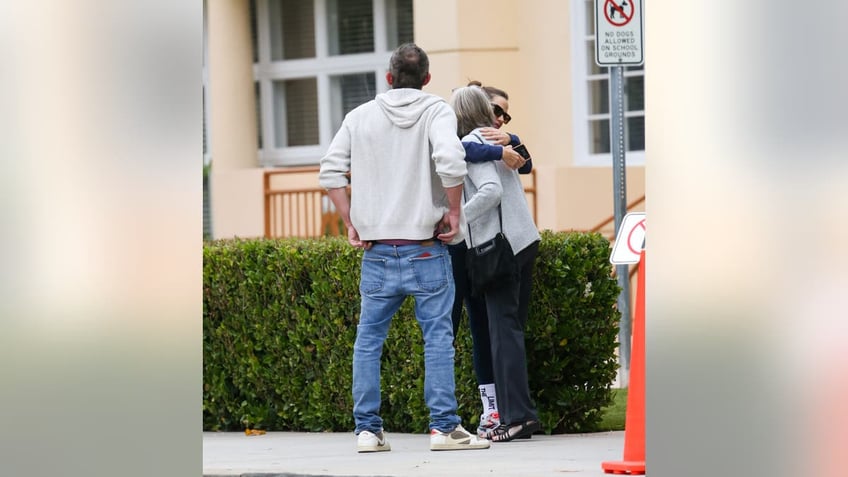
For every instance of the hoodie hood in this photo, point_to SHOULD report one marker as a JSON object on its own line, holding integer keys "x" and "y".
{"x": 404, "y": 106}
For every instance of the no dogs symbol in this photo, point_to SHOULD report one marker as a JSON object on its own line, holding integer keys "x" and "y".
{"x": 618, "y": 12}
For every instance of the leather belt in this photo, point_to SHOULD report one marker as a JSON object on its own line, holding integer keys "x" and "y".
{"x": 400, "y": 242}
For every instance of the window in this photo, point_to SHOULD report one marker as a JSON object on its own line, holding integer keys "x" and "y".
{"x": 315, "y": 61}
{"x": 592, "y": 101}
{"x": 292, "y": 29}
{"x": 296, "y": 112}
{"x": 351, "y": 91}
{"x": 351, "y": 27}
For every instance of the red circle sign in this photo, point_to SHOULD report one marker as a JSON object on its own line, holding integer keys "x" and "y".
{"x": 637, "y": 249}
{"x": 611, "y": 8}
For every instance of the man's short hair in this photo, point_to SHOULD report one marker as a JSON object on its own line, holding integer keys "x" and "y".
{"x": 409, "y": 66}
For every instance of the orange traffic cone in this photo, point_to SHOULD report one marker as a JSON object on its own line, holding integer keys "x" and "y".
{"x": 634, "y": 421}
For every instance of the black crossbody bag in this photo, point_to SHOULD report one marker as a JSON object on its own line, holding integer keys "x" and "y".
{"x": 490, "y": 262}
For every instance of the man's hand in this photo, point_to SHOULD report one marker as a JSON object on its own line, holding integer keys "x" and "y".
{"x": 342, "y": 203}
{"x": 448, "y": 227}
{"x": 353, "y": 238}
{"x": 496, "y": 136}
{"x": 512, "y": 159}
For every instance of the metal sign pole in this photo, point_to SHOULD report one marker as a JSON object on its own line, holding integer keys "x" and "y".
{"x": 620, "y": 204}
{"x": 618, "y": 43}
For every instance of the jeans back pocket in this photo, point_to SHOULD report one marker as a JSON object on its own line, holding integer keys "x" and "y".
{"x": 431, "y": 272}
{"x": 373, "y": 275}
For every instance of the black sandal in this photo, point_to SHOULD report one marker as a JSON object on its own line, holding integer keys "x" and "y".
{"x": 523, "y": 430}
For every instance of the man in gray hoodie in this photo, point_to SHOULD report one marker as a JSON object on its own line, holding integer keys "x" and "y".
{"x": 406, "y": 167}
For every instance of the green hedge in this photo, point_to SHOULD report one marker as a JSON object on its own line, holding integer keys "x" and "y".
{"x": 279, "y": 322}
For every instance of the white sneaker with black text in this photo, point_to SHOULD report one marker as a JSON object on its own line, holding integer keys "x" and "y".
{"x": 457, "y": 439}
{"x": 367, "y": 441}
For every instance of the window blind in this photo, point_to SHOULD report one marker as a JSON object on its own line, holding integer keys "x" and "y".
{"x": 351, "y": 26}
{"x": 296, "y": 112}
{"x": 292, "y": 29}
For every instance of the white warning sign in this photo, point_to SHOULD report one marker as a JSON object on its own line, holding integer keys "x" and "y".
{"x": 630, "y": 239}
{"x": 618, "y": 32}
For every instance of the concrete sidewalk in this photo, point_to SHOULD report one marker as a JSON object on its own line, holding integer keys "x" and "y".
{"x": 295, "y": 454}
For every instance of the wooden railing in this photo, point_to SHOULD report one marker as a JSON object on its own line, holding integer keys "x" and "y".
{"x": 293, "y": 208}
{"x": 606, "y": 222}
{"x": 296, "y": 208}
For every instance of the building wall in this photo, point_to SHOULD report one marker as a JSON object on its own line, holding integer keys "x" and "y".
{"x": 521, "y": 47}
{"x": 524, "y": 48}
{"x": 235, "y": 182}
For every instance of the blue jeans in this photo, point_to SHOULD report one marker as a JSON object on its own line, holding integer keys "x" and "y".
{"x": 478, "y": 317}
{"x": 390, "y": 273}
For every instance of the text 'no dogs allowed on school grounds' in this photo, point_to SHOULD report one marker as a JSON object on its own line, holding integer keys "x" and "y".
{"x": 618, "y": 32}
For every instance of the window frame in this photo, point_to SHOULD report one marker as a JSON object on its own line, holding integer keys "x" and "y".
{"x": 323, "y": 67}
{"x": 581, "y": 39}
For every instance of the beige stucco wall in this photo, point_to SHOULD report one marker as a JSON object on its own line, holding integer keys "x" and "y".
{"x": 521, "y": 47}
{"x": 235, "y": 181}
{"x": 584, "y": 196}
{"x": 236, "y": 195}
{"x": 524, "y": 48}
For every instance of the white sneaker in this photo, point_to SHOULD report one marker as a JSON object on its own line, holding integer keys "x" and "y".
{"x": 457, "y": 439}
{"x": 367, "y": 441}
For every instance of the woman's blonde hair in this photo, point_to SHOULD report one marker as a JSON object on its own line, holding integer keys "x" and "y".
{"x": 472, "y": 109}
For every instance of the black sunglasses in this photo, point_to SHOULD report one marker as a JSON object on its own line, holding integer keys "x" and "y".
{"x": 500, "y": 112}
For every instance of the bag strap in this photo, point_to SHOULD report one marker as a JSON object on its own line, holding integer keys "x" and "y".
{"x": 500, "y": 218}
